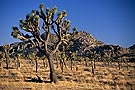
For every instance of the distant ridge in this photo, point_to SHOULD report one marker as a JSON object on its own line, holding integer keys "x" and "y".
{"x": 82, "y": 42}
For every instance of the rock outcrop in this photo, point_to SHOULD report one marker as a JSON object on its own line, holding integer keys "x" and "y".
{"x": 81, "y": 42}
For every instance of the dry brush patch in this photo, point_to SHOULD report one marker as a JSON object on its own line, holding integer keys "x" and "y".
{"x": 105, "y": 78}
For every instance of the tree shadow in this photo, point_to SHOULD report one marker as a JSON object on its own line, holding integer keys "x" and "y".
{"x": 37, "y": 81}
{"x": 8, "y": 68}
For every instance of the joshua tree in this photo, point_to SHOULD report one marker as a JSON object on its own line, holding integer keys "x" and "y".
{"x": 91, "y": 54}
{"x": 32, "y": 25}
{"x": 72, "y": 58}
{"x": 62, "y": 61}
{"x": 122, "y": 59}
{"x": 57, "y": 57}
{"x": 1, "y": 57}
{"x": 6, "y": 51}
{"x": 34, "y": 57}
{"x": 18, "y": 57}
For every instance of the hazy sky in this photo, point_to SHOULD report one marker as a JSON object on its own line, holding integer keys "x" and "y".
{"x": 111, "y": 21}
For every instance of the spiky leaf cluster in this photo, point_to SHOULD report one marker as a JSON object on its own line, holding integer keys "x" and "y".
{"x": 46, "y": 20}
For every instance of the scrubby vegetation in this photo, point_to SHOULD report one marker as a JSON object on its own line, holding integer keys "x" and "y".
{"x": 80, "y": 77}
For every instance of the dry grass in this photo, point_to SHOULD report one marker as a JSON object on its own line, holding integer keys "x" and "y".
{"x": 61, "y": 85}
{"x": 80, "y": 78}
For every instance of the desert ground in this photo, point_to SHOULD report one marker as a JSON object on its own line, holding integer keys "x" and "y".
{"x": 106, "y": 77}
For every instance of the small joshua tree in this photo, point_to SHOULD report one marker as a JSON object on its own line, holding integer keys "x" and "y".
{"x": 18, "y": 57}
{"x": 32, "y": 24}
{"x": 2, "y": 57}
{"x": 6, "y": 51}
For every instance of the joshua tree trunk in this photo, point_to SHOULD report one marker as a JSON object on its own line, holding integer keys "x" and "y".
{"x": 86, "y": 62}
{"x": 53, "y": 77}
{"x": 119, "y": 65}
{"x": 71, "y": 63}
{"x": 7, "y": 66}
{"x": 93, "y": 67}
{"x": 64, "y": 59}
{"x": 94, "y": 64}
{"x": 44, "y": 63}
{"x": 18, "y": 62}
{"x": 7, "y": 59}
{"x": 36, "y": 65}
{"x": 61, "y": 65}
{"x": 57, "y": 63}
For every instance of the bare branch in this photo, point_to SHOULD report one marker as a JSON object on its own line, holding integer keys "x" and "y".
{"x": 56, "y": 47}
{"x": 55, "y": 30}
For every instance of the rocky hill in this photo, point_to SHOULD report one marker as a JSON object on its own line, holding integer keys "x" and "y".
{"x": 132, "y": 48}
{"x": 81, "y": 42}
{"x": 28, "y": 73}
